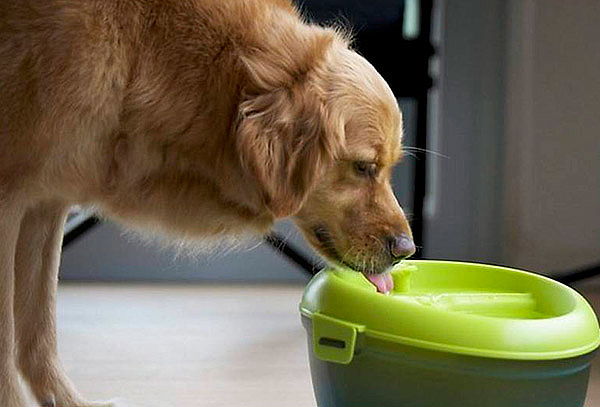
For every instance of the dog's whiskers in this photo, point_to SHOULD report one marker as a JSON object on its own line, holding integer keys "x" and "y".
{"x": 407, "y": 149}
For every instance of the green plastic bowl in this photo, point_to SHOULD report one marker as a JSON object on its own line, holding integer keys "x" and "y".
{"x": 450, "y": 334}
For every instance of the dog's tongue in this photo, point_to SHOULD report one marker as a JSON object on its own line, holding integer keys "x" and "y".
{"x": 383, "y": 282}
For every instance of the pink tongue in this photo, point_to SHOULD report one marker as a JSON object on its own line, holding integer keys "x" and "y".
{"x": 383, "y": 282}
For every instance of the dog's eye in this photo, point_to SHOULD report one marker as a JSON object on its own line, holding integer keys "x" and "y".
{"x": 365, "y": 169}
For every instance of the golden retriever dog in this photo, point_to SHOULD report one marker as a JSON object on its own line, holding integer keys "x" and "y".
{"x": 194, "y": 118}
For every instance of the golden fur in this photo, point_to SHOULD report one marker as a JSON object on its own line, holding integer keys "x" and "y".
{"x": 193, "y": 118}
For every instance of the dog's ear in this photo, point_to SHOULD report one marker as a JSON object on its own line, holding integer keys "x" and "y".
{"x": 286, "y": 136}
{"x": 286, "y": 139}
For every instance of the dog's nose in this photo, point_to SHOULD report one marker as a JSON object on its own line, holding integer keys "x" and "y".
{"x": 401, "y": 246}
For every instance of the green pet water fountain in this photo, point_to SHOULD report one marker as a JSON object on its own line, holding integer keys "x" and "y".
{"x": 448, "y": 335}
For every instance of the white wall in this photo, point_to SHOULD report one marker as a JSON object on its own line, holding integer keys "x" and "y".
{"x": 519, "y": 126}
{"x": 552, "y": 167}
{"x": 464, "y": 197}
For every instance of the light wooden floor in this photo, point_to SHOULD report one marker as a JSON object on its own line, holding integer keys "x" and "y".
{"x": 188, "y": 346}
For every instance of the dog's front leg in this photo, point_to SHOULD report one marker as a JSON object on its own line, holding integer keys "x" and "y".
{"x": 36, "y": 265}
{"x": 11, "y": 394}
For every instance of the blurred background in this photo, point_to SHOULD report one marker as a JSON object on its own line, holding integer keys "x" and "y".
{"x": 501, "y": 103}
{"x": 501, "y": 107}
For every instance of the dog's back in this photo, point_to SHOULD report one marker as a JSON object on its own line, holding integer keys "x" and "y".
{"x": 62, "y": 74}
{"x": 75, "y": 74}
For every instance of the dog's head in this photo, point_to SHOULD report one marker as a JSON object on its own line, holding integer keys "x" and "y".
{"x": 320, "y": 134}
